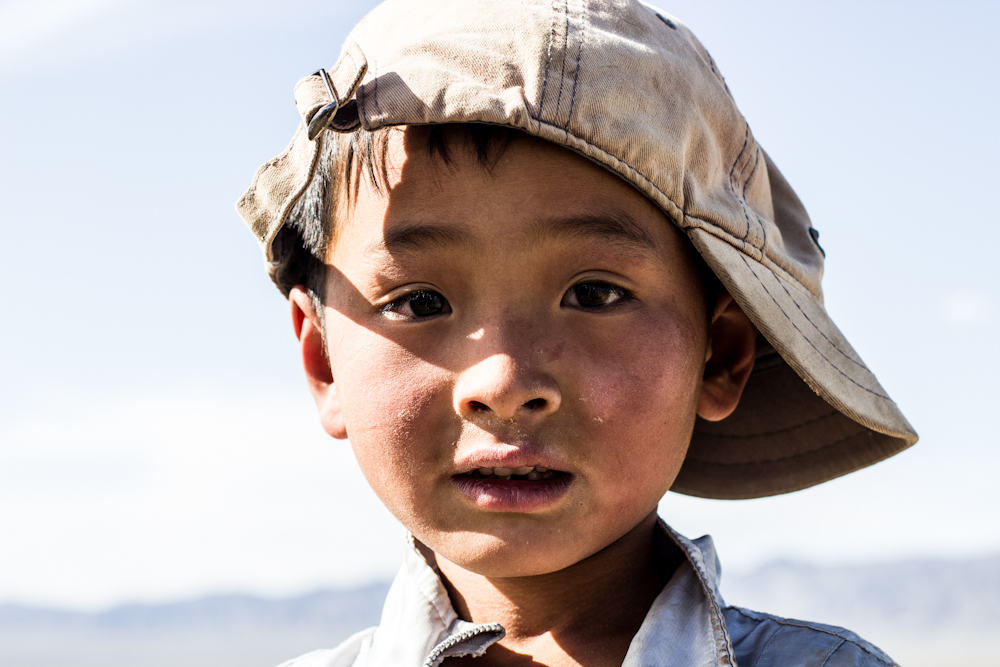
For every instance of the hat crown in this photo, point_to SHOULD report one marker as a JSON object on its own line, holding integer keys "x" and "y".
{"x": 630, "y": 87}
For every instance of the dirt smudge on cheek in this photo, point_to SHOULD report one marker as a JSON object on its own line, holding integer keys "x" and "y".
{"x": 554, "y": 352}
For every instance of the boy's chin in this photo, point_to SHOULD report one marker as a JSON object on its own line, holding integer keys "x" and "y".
{"x": 494, "y": 558}
{"x": 530, "y": 555}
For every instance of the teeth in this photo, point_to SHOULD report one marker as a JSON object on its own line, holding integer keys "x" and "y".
{"x": 532, "y": 473}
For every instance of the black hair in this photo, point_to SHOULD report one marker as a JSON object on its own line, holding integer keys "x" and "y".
{"x": 302, "y": 245}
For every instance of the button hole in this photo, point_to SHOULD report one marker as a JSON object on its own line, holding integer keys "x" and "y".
{"x": 669, "y": 23}
{"x": 814, "y": 234}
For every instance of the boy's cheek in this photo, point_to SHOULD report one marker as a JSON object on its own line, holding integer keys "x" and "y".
{"x": 393, "y": 396}
{"x": 401, "y": 431}
{"x": 646, "y": 366}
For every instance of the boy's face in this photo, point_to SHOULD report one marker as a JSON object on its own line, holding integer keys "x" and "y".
{"x": 541, "y": 314}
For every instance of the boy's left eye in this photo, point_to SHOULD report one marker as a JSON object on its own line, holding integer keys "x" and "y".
{"x": 417, "y": 305}
{"x": 594, "y": 295}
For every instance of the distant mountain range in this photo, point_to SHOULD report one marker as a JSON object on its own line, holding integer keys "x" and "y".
{"x": 922, "y": 612}
{"x": 218, "y": 630}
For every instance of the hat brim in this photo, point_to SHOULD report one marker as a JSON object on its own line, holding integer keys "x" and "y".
{"x": 811, "y": 410}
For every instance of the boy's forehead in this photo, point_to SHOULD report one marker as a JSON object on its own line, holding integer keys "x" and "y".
{"x": 435, "y": 160}
{"x": 428, "y": 201}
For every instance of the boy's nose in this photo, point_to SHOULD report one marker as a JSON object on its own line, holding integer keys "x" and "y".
{"x": 501, "y": 387}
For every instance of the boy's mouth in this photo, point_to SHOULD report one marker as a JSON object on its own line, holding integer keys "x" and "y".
{"x": 523, "y": 473}
{"x": 520, "y": 489}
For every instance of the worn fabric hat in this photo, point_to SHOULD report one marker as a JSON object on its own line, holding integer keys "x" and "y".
{"x": 633, "y": 90}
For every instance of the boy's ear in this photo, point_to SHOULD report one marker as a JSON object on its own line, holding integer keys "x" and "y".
{"x": 732, "y": 345}
{"x": 316, "y": 363}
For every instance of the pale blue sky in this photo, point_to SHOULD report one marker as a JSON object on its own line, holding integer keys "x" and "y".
{"x": 156, "y": 438}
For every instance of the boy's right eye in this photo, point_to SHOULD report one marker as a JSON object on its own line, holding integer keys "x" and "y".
{"x": 417, "y": 305}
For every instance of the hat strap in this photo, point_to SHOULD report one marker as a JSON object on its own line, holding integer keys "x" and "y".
{"x": 319, "y": 95}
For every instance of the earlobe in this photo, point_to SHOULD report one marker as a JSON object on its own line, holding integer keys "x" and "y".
{"x": 732, "y": 342}
{"x": 316, "y": 363}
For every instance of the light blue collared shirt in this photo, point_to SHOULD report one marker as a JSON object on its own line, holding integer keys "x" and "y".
{"x": 688, "y": 625}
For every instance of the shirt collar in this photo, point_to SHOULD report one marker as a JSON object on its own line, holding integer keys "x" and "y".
{"x": 684, "y": 625}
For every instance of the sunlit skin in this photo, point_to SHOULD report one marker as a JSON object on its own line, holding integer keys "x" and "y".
{"x": 540, "y": 313}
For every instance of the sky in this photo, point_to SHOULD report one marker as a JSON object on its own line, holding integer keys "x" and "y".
{"x": 157, "y": 440}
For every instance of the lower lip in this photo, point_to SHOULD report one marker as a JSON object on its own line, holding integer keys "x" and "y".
{"x": 508, "y": 495}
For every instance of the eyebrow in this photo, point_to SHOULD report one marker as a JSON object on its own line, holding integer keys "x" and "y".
{"x": 615, "y": 228}
{"x": 420, "y": 236}
{"x": 618, "y": 228}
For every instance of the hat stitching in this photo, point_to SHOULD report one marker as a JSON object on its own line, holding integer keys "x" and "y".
{"x": 746, "y": 217}
{"x": 832, "y": 343}
{"x": 747, "y": 209}
{"x": 712, "y": 228}
{"x": 548, "y": 61}
{"x": 779, "y": 459}
{"x": 802, "y": 333}
{"x": 746, "y": 140}
{"x": 764, "y": 434}
{"x": 576, "y": 76}
{"x": 562, "y": 69}
{"x": 732, "y": 177}
{"x": 746, "y": 186}
{"x": 748, "y": 143}
{"x": 753, "y": 170}
{"x": 756, "y": 215}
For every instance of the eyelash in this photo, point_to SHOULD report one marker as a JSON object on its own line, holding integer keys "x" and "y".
{"x": 622, "y": 295}
{"x": 394, "y": 309}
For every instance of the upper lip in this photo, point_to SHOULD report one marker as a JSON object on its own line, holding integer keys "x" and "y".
{"x": 519, "y": 455}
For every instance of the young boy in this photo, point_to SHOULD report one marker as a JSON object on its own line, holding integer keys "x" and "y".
{"x": 540, "y": 273}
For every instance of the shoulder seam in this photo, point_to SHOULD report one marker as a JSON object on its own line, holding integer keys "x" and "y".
{"x": 833, "y": 652}
{"x": 758, "y": 616}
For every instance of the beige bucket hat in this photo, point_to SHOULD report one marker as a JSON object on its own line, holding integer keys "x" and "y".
{"x": 633, "y": 90}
